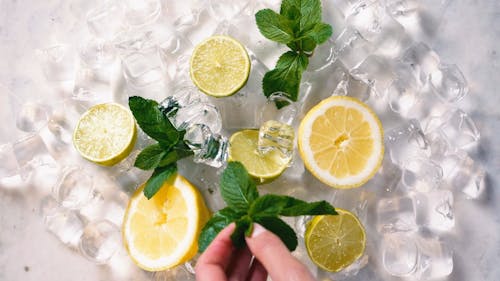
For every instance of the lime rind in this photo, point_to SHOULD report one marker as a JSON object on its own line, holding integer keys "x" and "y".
{"x": 204, "y": 71}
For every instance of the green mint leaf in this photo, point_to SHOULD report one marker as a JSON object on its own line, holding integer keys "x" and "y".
{"x": 310, "y": 11}
{"x": 320, "y": 33}
{"x": 150, "y": 157}
{"x": 274, "y": 26}
{"x": 155, "y": 182}
{"x": 308, "y": 45}
{"x": 281, "y": 229}
{"x": 179, "y": 151}
{"x": 242, "y": 227}
{"x": 237, "y": 188}
{"x": 274, "y": 205}
{"x": 268, "y": 205}
{"x": 296, "y": 207}
{"x": 218, "y": 222}
{"x": 152, "y": 121}
{"x": 286, "y": 76}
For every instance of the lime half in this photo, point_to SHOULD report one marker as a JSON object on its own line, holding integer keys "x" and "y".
{"x": 264, "y": 167}
{"x": 335, "y": 242}
{"x": 220, "y": 66}
{"x": 105, "y": 134}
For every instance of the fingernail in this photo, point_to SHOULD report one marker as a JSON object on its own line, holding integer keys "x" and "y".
{"x": 257, "y": 230}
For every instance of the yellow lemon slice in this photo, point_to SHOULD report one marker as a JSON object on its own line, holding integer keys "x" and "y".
{"x": 162, "y": 232}
{"x": 341, "y": 142}
{"x": 220, "y": 66}
{"x": 264, "y": 167}
{"x": 335, "y": 242}
{"x": 105, "y": 134}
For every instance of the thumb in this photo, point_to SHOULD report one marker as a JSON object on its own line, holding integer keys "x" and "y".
{"x": 275, "y": 257}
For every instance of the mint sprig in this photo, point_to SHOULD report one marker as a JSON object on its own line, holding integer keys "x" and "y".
{"x": 299, "y": 26}
{"x": 245, "y": 206}
{"x": 162, "y": 156}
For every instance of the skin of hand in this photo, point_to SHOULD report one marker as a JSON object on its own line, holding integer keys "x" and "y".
{"x": 265, "y": 254}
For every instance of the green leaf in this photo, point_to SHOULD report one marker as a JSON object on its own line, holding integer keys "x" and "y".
{"x": 310, "y": 11}
{"x": 155, "y": 182}
{"x": 152, "y": 121}
{"x": 237, "y": 188}
{"x": 281, "y": 229}
{"x": 286, "y": 76}
{"x": 242, "y": 227}
{"x": 296, "y": 207}
{"x": 179, "y": 151}
{"x": 320, "y": 33}
{"x": 268, "y": 205}
{"x": 150, "y": 157}
{"x": 274, "y": 26}
{"x": 308, "y": 45}
{"x": 218, "y": 222}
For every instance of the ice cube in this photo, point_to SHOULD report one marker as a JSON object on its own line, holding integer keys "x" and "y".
{"x": 100, "y": 241}
{"x": 31, "y": 153}
{"x": 106, "y": 20}
{"x": 75, "y": 188}
{"x": 368, "y": 19}
{"x": 396, "y": 215}
{"x": 144, "y": 68}
{"x": 435, "y": 210}
{"x": 226, "y": 9}
{"x": 460, "y": 130}
{"x": 58, "y": 62}
{"x": 276, "y": 136}
{"x": 377, "y": 72}
{"x": 97, "y": 53}
{"x": 142, "y": 12}
{"x": 197, "y": 113}
{"x": 10, "y": 166}
{"x": 435, "y": 258}
{"x": 407, "y": 142}
{"x": 399, "y": 254}
{"x": 66, "y": 225}
{"x": 209, "y": 148}
{"x": 422, "y": 175}
{"x": 422, "y": 59}
{"x": 449, "y": 83}
{"x": 30, "y": 116}
{"x": 352, "y": 48}
{"x": 463, "y": 174}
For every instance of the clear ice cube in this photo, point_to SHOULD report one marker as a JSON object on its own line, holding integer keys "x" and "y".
{"x": 197, "y": 113}
{"x": 377, "y": 72}
{"x": 66, "y": 225}
{"x": 399, "y": 254}
{"x": 396, "y": 215}
{"x": 460, "y": 130}
{"x": 91, "y": 86}
{"x": 75, "y": 188}
{"x": 407, "y": 142}
{"x": 100, "y": 240}
{"x": 142, "y": 12}
{"x": 106, "y": 20}
{"x": 226, "y": 9}
{"x": 422, "y": 60}
{"x": 435, "y": 258}
{"x": 435, "y": 210}
{"x": 449, "y": 83}
{"x": 352, "y": 48}
{"x": 31, "y": 117}
{"x": 209, "y": 148}
{"x": 58, "y": 62}
{"x": 143, "y": 68}
{"x": 97, "y": 53}
{"x": 421, "y": 175}
{"x": 368, "y": 19}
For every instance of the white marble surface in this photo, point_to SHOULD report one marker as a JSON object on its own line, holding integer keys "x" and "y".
{"x": 469, "y": 35}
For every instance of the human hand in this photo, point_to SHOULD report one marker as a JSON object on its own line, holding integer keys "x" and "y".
{"x": 221, "y": 261}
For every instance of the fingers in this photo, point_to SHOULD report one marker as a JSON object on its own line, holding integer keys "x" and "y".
{"x": 213, "y": 262}
{"x": 257, "y": 272}
{"x": 239, "y": 267}
{"x": 275, "y": 257}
